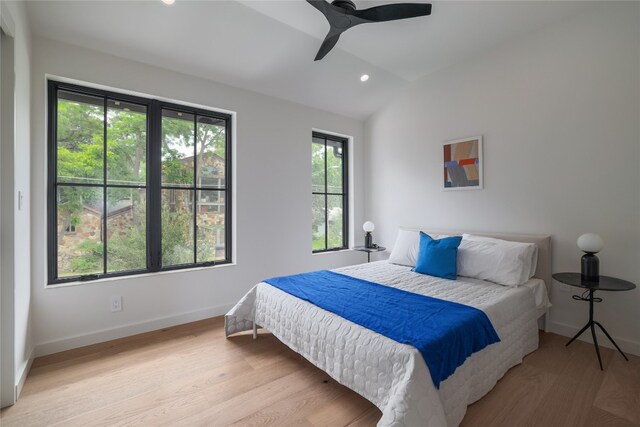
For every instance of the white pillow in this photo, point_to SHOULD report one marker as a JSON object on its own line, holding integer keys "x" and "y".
{"x": 531, "y": 258}
{"x": 499, "y": 261}
{"x": 405, "y": 250}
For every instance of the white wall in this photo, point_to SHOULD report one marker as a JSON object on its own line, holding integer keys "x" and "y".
{"x": 273, "y": 212}
{"x": 23, "y": 345}
{"x": 560, "y": 116}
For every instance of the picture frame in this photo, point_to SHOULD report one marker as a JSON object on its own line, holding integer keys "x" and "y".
{"x": 462, "y": 165}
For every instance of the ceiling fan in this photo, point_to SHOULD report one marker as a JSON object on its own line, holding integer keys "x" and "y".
{"x": 342, "y": 15}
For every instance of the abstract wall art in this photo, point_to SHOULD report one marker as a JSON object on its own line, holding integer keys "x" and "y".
{"x": 462, "y": 167}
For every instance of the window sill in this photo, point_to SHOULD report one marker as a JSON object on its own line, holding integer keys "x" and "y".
{"x": 332, "y": 252}
{"x": 136, "y": 276}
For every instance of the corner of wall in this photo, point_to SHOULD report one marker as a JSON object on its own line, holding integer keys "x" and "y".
{"x": 15, "y": 16}
{"x": 628, "y": 346}
{"x": 23, "y": 372}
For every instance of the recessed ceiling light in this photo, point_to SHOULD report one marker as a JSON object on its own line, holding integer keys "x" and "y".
{"x": 364, "y": 77}
{"x": 169, "y": 2}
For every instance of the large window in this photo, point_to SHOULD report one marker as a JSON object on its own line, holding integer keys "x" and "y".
{"x": 329, "y": 192}
{"x": 135, "y": 185}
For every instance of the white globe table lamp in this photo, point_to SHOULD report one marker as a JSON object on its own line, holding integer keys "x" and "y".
{"x": 591, "y": 244}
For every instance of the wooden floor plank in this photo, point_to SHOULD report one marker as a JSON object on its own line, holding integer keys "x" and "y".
{"x": 296, "y": 405}
{"x": 367, "y": 419}
{"x": 598, "y": 418}
{"x": 620, "y": 391}
{"x": 259, "y": 398}
{"x": 340, "y": 412}
{"x": 551, "y": 356}
{"x": 193, "y": 375}
{"x": 574, "y": 391}
{"x": 138, "y": 409}
{"x": 514, "y": 399}
{"x": 125, "y": 382}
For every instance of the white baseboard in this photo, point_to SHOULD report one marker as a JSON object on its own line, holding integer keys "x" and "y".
{"x": 22, "y": 375}
{"x": 627, "y": 346}
{"x": 103, "y": 335}
{"x": 95, "y": 337}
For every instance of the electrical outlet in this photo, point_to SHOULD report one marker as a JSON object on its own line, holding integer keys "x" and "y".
{"x": 116, "y": 303}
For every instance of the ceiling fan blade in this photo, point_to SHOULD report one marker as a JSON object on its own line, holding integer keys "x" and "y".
{"x": 321, "y": 5}
{"x": 328, "y": 44}
{"x": 392, "y": 12}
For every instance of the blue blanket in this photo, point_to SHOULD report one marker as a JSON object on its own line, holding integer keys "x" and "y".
{"x": 446, "y": 333}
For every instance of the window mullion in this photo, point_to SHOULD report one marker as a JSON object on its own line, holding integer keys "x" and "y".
{"x": 326, "y": 199}
{"x": 154, "y": 191}
{"x": 104, "y": 188}
{"x": 52, "y": 183}
{"x": 227, "y": 189}
{"x": 345, "y": 192}
{"x": 195, "y": 188}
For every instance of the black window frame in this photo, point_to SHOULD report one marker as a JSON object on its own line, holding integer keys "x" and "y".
{"x": 153, "y": 182}
{"x": 345, "y": 191}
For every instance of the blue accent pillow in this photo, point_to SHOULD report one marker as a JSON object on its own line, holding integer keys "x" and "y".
{"x": 438, "y": 257}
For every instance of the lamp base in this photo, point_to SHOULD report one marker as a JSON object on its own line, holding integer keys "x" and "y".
{"x": 368, "y": 240}
{"x": 590, "y": 267}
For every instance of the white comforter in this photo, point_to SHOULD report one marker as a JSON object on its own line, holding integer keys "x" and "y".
{"x": 394, "y": 376}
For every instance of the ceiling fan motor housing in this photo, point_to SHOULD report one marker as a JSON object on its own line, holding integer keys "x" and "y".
{"x": 345, "y": 4}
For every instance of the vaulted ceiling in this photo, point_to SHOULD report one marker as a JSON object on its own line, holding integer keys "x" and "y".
{"x": 269, "y": 46}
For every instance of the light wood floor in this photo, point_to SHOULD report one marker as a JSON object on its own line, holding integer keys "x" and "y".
{"x": 192, "y": 375}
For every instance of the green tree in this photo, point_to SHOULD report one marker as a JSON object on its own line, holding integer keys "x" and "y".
{"x": 178, "y": 146}
{"x": 80, "y": 157}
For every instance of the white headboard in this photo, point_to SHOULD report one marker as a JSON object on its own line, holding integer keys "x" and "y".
{"x": 542, "y": 241}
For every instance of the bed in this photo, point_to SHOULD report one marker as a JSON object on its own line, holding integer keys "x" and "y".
{"x": 392, "y": 375}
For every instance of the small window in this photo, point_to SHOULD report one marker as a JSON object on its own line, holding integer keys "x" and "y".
{"x": 70, "y": 229}
{"x": 329, "y": 192}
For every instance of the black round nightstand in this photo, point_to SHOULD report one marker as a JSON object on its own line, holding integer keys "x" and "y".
{"x": 369, "y": 250}
{"x": 605, "y": 283}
